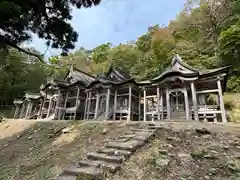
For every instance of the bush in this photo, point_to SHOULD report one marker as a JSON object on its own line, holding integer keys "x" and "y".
{"x": 232, "y": 104}
{"x": 232, "y": 100}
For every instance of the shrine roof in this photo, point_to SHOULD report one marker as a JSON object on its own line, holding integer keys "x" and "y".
{"x": 114, "y": 76}
{"x": 180, "y": 68}
{"x": 75, "y": 75}
{"x": 32, "y": 96}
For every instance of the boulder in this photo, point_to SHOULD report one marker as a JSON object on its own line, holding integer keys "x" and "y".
{"x": 105, "y": 131}
{"x": 203, "y": 131}
{"x": 66, "y": 130}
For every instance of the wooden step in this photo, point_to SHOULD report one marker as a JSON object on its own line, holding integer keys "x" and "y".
{"x": 105, "y": 157}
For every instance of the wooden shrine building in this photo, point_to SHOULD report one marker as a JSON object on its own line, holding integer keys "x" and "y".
{"x": 114, "y": 95}
{"x": 65, "y": 99}
{"x": 181, "y": 92}
{"x": 27, "y": 107}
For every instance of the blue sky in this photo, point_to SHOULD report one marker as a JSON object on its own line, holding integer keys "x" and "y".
{"x": 116, "y": 21}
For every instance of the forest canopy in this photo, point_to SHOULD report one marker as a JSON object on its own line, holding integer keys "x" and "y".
{"x": 206, "y": 34}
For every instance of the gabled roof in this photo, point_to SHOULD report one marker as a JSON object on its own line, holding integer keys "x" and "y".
{"x": 75, "y": 75}
{"x": 32, "y": 96}
{"x": 117, "y": 74}
{"x": 55, "y": 84}
{"x": 114, "y": 76}
{"x": 17, "y": 101}
{"x": 182, "y": 69}
{"x": 177, "y": 68}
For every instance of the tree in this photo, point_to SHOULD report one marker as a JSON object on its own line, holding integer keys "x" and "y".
{"x": 48, "y": 19}
{"x": 18, "y": 76}
{"x": 207, "y": 18}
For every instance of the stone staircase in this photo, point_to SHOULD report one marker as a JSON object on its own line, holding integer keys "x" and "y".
{"x": 111, "y": 157}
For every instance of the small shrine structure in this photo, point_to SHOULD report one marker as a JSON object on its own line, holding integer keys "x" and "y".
{"x": 182, "y": 92}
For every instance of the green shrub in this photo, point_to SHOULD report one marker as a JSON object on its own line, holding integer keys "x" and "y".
{"x": 232, "y": 100}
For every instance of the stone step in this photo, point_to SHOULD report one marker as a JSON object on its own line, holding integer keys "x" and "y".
{"x": 143, "y": 130}
{"x": 66, "y": 177}
{"x": 87, "y": 162}
{"x": 86, "y": 172}
{"x": 131, "y": 145}
{"x": 130, "y": 133}
{"x": 155, "y": 127}
{"x": 143, "y": 136}
{"x": 122, "y": 140}
{"x": 105, "y": 157}
{"x": 127, "y": 136}
{"x": 112, "y": 167}
{"x": 116, "y": 152}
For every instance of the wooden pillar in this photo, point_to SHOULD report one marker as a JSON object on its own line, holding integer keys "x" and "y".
{"x": 57, "y": 111}
{"x": 220, "y": 95}
{"x": 107, "y": 103}
{"x": 139, "y": 106}
{"x": 161, "y": 103}
{"x": 115, "y": 105}
{"x": 194, "y": 99}
{"x": 177, "y": 104}
{"x": 145, "y": 105}
{"x": 28, "y": 109}
{"x": 25, "y": 109}
{"x": 158, "y": 102}
{"x": 35, "y": 109}
{"x": 86, "y": 106}
{"x": 22, "y": 110}
{"x": 186, "y": 103}
{"x": 41, "y": 108}
{"x": 65, "y": 106}
{"x": 76, "y": 104}
{"x": 168, "y": 103}
{"x": 49, "y": 107}
{"x": 16, "y": 112}
{"x": 97, "y": 105}
{"x": 129, "y": 103}
{"x": 89, "y": 103}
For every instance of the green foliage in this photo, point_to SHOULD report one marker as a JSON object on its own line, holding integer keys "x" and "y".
{"x": 199, "y": 154}
{"x": 19, "y": 73}
{"x": 205, "y": 34}
{"x": 47, "y": 19}
{"x": 232, "y": 104}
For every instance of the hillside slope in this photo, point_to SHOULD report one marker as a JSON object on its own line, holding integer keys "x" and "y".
{"x": 31, "y": 150}
{"x": 35, "y": 150}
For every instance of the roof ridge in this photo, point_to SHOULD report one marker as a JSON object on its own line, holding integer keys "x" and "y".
{"x": 74, "y": 68}
{"x": 124, "y": 72}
